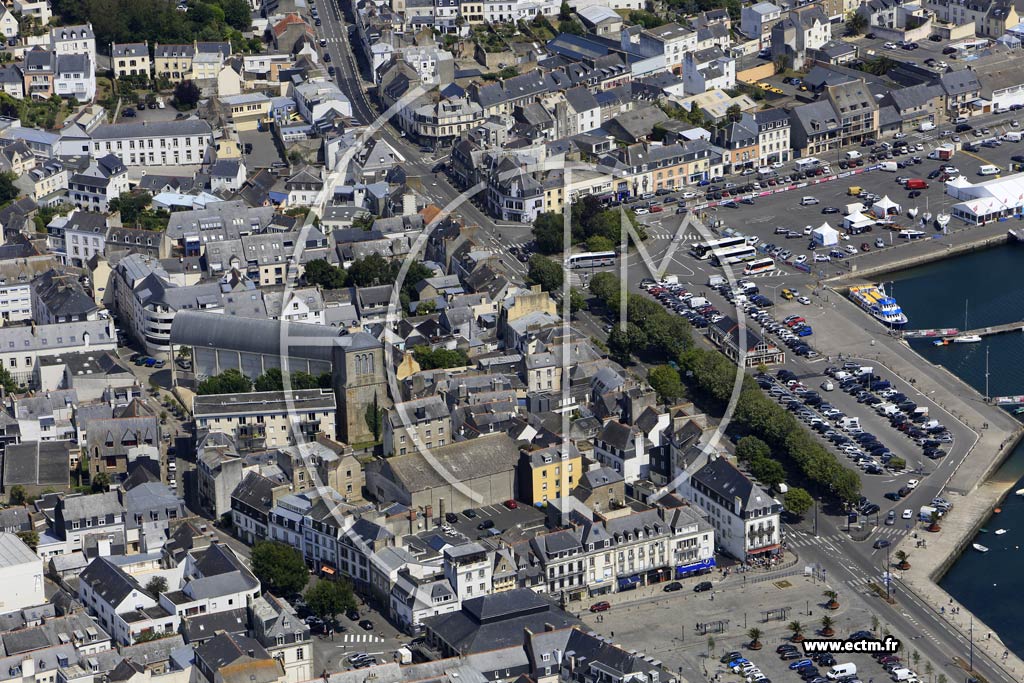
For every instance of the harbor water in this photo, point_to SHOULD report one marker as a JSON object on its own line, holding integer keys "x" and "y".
{"x": 982, "y": 285}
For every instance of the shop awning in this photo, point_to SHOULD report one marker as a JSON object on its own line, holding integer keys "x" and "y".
{"x": 684, "y": 569}
{"x": 628, "y": 581}
{"x": 765, "y": 549}
{"x": 326, "y": 569}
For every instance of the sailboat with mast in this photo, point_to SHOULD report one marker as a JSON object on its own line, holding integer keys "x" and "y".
{"x": 966, "y": 338}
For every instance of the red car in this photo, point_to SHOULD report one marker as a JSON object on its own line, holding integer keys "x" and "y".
{"x": 657, "y": 209}
{"x": 511, "y": 504}
{"x": 600, "y": 607}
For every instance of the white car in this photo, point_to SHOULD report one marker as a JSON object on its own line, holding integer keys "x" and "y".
{"x": 688, "y": 195}
{"x": 802, "y": 258}
{"x": 641, "y": 211}
{"x": 899, "y": 136}
{"x": 808, "y": 230}
{"x": 907, "y": 514}
{"x": 776, "y": 164}
{"x": 912, "y": 484}
{"x": 890, "y": 46}
{"x": 804, "y": 300}
{"x": 850, "y": 249}
{"x": 753, "y": 240}
{"x": 818, "y": 258}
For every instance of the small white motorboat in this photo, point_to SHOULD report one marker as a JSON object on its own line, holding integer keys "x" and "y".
{"x": 966, "y": 339}
{"x": 912, "y": 212}
{"x": 942, "y": 219}
{"x": 1000, "y": 532}
{"x": 979, "y": 547}
{"x": 926, "y": 217}
{"x": 1019, "y": 492}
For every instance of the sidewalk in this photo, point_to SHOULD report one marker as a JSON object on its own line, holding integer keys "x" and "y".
{"x": 943, "y": 547}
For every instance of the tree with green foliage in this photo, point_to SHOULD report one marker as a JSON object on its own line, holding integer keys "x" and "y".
{"x": 375, "y": 418}
{"x": 279, "y": 567}
{"x": 100, "y": 482}
{"x": 577, "y": 302}
{"x": 646, "y": 19}
{"x": 231, "y": 381}
{"x": 328, "y": 597}
{"x": 156, "y": 585}
{"x": 572, "y": 26}
{"x": 8, "y": 190}
{"x": 7, "y": 381}
{"x": 187, "y": 93}
{"x": 856, "y": 23}
{"x": 433, "y": 359}
{"x": 548, "y": 229}
{"x": 769, "y": 472}
{"x": 30, "y": 538}
{"x": 131, "y": 205}
{"x": 363, "y": 221}
{"x": 751, "y": 449}
{"x": 17, "y": 495}
{"x": 565, "y": 10}
{"x": 667, "y": 383}
{"x": 625, "y": 343}
{"x": 545, "y": 272}
{"x": 798, "y": 501}
{"x": 273, "y": 380}
{"x": 599, "y": 243}
{"x": 426, "y": 307}
{"x": 320, "y": 273}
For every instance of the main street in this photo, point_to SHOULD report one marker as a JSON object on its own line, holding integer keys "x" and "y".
{"x": 845, "y": 560}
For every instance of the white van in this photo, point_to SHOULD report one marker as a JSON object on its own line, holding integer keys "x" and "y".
{"x": 889, "y": 166}
{"x": 805, "y": 201}
{"x": 886, "y": 409}
{"x": 900, "y": 675}
{"x": 926, "y": 126}
{"x": 1012, "y": 136}
{"x": 853, "y": 154}
{"x": 698, "y": 301}
{"x": 864, "y": 370}
{"x": 840, "y": 670}
{"x": 850, "y": 423}
{"x": 989, "y": 169}
{"x": 841, "y": 375}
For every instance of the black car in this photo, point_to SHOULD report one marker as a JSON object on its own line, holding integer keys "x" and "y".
{"x": 469, "y": 513}
{"x": 352, "y": 614}
{"x": 830, "y": 209}
{"x": 702, "y": 587}
{"x": 826, "y": 659}
{"x": 791, "y": 654}
{"x": 366, "y": 625}
{"x": 785, "y": 647}
{"x": 451, "y": 517}
{"x": 881, "y": 543}
{"x": 730, "y": 657}
{"x": 672, "y": 587}
{"x": 485, "y": 525}
{"x": 914, "y": 194}
{"x": 964, "y": 127}
{"x": 892, "y": 495}
{"x": 128, "y": 113}
{"x": 327, "y": 56}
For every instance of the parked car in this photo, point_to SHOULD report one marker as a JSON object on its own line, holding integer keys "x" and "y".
{"x": 703, "y": 586}
{"x": 602, "y": 606}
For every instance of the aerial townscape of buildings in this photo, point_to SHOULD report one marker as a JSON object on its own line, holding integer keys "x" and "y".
{"x": 284, "y": 287}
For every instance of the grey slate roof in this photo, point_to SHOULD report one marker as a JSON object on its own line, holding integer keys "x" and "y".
{"x": 157, "y": 129}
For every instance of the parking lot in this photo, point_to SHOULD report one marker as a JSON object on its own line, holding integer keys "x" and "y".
{"x": 695, "y": 646}
{"x": 492, "y": 520}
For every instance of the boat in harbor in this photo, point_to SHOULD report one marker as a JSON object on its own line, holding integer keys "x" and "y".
{"x": 926, "y": 218}
{"x": 979, "y": 547}
{"x": 942, "y": 220}
{"x": 966, "y": 339}
{"x": 940, "y": 342}
{"x": 874, "y": 300}
{"x": 1019, "y": 492}
{"x": 912, "y": 212}
{"x": 1000, "y": 532}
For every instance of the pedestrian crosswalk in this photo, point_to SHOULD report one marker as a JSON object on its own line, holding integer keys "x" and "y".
{"x": 807, "y": 540}
{"x": 360, "y": 638}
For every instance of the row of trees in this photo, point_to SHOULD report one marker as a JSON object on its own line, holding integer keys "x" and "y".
{"x": 650, "y": 333}
{"x": 231, "y": 381}
{"x": 123, "y": 21}
{"x": 368, "y": 271}
{"x": 433, "y": 359}
{"x": 593, "y": 225}
{"x": 282, "y": 571}
{"x": 654, "y": 334}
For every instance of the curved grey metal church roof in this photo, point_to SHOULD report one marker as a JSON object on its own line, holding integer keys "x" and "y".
{"x": 200, "y": 329}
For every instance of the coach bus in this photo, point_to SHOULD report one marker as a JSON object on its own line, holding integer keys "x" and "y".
{"x": 591, "y": 259}
{"x": 761, "y": 265}
{"x": 702, "y": 250}
{"x": 733, "y": 256}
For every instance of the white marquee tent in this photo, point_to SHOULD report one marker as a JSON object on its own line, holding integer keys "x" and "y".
{"x": 825, "y": 235}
